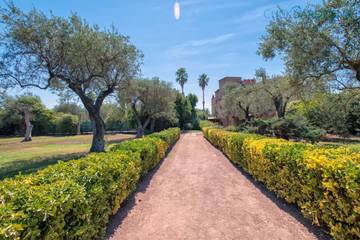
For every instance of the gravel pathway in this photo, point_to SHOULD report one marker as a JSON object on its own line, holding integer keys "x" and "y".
{"x": 196, "y": 193}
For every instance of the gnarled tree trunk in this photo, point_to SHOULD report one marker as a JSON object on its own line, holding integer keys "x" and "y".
{"x": 280, "y": 106}
{"x": 98, "y": 141}
{"x": 29, "y": 126}
{"x": 141, "y": 128}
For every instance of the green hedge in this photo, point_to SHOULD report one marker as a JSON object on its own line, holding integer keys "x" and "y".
{"x": 74, "y": 199}
{"x": 323, "y": 181}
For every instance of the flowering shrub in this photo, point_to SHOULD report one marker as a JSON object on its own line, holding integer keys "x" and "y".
{"x": 74, "y": 199}
{"x": 324, "y": 182}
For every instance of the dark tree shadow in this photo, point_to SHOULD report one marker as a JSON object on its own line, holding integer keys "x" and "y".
{"x": 320, "y": 232}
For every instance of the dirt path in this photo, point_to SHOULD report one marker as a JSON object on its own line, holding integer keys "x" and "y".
{"x": 197, "y": 193}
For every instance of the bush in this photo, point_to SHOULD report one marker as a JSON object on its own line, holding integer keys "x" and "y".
{"x": 74, "y": 199}
{"x": 65, "y": 123}
{"x": 323, "y": 181}
{"x": 296, "y": 127}
{"x": 291, "y": 127}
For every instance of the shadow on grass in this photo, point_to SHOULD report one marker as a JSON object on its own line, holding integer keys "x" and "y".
{"x": 28, "y": 166}
{"x": 117, "y": 219}
{"x": 32, "y": 165}
{"x": 320, "y": 232}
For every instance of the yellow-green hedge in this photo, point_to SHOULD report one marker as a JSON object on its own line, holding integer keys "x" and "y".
{"x": 323, "y": 181}
{"x": 74, "y": 199}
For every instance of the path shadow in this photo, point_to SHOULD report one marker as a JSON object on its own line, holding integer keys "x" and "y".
{"x": 320, "y": 232}
{"x": 126, "y": 207}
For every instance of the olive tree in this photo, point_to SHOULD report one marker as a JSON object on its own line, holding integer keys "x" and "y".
{"x": 149, "y": 99}
{"x": 279, "y": 89}
{"x": 67, "y": 54}
{"x": 317, "y": 41}
{"x": 242, "y": 101}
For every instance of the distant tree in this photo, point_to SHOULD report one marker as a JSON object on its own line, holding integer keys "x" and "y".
{"x": 203, "y": 82}
{"x": 28, "y": 107}
{"x": 279, "y": 88}
{"x": 149, "y": 99}
{"x": 183, "y": 110}
{"x": 241, "y": 101}
{"x": 45, "y": 51}
{"x": 317, "y": 41}
{"x": 193, "y": 101}
{"x": 181, "y": 78}
{"x": 74, "y": 109}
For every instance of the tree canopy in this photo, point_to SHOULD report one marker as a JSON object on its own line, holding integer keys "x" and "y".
{"x": 149, "y": 99}
{"x": 317, "y": 41}
{"x": 181, "y": 78}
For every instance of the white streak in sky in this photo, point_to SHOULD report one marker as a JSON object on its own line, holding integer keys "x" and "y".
{"x": 177, "y": 11}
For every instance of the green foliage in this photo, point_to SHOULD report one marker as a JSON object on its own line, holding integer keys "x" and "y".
{"x": 183, "y": 110}
{"x": 296, "y": 127}
{"x": 65, "y": 123}
{"x": 194, "y": 124}
{"x": 353, "y": 117}
{"x": 12, "y": 117}
{"x": 334, "y": 112}
{"x": 317, "y": 40}
{"x": 323, "y": 182}
{"x": 74, "y": 199}
{"x": 181, "y": 78}
{"x": 150, "y": 99}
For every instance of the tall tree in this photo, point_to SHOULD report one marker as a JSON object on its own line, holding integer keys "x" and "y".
{"x": 279, "y": 88}
{"x": 193, "y": 101}
{"x": 181, "y": 78}
{"x": 318, "y": 41}
{"x": 203, "y": 82}
{"x": 46, "y": 51}
{"x": 149, "y": 99}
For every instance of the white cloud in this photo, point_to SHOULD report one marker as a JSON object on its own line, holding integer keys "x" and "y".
{"x": 196, "y": 46}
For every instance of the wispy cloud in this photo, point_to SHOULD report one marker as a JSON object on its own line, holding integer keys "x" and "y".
{"x": 264, "y": 11}
{"x": 196, "y": 46}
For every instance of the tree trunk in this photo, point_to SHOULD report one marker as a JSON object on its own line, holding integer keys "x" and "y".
{"x": 141, "y": 128}
{"x": 78, "y": 126}
{"x": 98, "y": 141}
{"x": 182, "y": 90}
{"x": 358, "y": 74}
{"x": 247, "y": 114}
{"x": 28, "y": 125}
{"x": 280, "y": 107}
{"x": 152, "y": 125}
{"x": 203, "y": 103}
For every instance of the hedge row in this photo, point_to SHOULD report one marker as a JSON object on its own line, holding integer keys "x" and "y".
{"x": 323, "y": 181}
{"x": 74, "y": 199}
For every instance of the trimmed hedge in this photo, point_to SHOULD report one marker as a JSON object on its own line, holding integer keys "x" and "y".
{"x": 323, "y": 181}
{"x": 74, "y": 199}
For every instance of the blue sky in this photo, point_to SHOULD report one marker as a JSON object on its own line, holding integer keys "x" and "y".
{"x": 217, "y": 37}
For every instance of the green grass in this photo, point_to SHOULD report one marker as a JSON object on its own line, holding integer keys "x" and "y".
{"x": 16, "y": 156}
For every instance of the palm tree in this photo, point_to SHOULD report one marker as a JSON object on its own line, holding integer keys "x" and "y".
{"x": 203, "y": 82}
{"x": 181, "y": 78}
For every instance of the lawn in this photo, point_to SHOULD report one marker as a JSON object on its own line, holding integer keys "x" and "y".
{"x": 16, "y": 156}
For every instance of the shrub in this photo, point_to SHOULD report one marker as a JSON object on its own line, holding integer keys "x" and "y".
{"x": 74, "y": 199}
{"x": 65, "y": 123}
{"x": 296, "y": 127}
{"x": 323, "y": 181}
